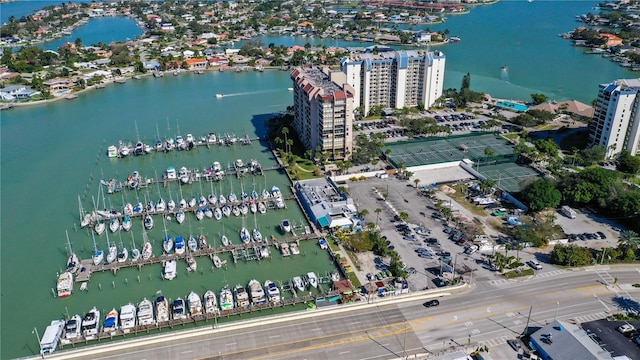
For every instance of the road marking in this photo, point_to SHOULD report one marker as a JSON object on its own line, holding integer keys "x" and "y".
{"x": 229, "y": 344}
{"x": 510, "y": 314}
{"x": 186, "y": 352}
{"x": 475, "y": 331}
{"x": 517, "y": 322}
{"x": 455, "y": 318}
{"x": 343, "y": 352}
{"x": 274, "y": 336}
{"x": 488, "y": 309}
{"x": 468, "y": 323}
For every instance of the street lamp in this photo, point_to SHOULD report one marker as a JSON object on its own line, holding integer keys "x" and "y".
{"x": 35, "y": 330}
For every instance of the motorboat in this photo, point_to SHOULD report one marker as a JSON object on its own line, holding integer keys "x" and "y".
{"x": 239, "y": 163}
{"x": 335, "y": 275}
{"x": 170, "y": 174}
{"x": 148, "y": 222}
{"x": 114, "y": 225}
{"x": 183, "y": 175}
{"x": 242, "y": 297}
{"x": 167, "y": 244}
{"x": 127, "y": 317}
{"x": 285, "y": 226}
{"x": 312, "y": 279}
{"x": 210, "y": 302}
{"x": 112, "y": 151}
{"x": 264, "y": 252}
{"x": 99, "y": 227}
{"x": 192, "y": 243}
{"x": 272, "y": 291}
{"x": 178, "y": 310}
{"x": 145, "y": 313}
{"x": 170, "y": 268}
{"x": 217, "y": 262}
{"x": 110, "y": 321}
{"x": 275, "y": 191}
{"x": 127, "y": 223}
{"x": 180, "y": 143}
{"x": 257, "y": 293}
{"x": 219, "y": 96}
{"x": 284, "y": 248}
{"x": 226, "y": 299}
{"x": 124, "y": 150}
{"x": 138, "y": 149}
{"x": 208, "y": 212}
{"x": 189, "y": 139}
{"x": 262, "y": 207}
{"x": 298, "y": 283}
{"x": 294, "y": 249}
{"x": 162, "y": 309}
{"x": 235, "y": 210}
{"x": 217, "y": 214}
{"x": 257, "y": 235}
{"x": 169, "y": 145}
{"x": 72, "y": 328}
{"x": 216, "y": 166}
{"x": 180, "y": 216}
{"x": 324, "y": 245}
{"x": 65, "y": 284}
{"x": 90, "y": 323}
{"x": 134, "y": 180}
{"x": 212, "y": 138}
{"x": 159, "y": 145}
{"x": 192, "y": 265}
{"x": 203, "y": 242}
{"x": 195, "y": 304}
{"x": 279, "y": 203}
{"x": 199, "y": 214}
{"x": 179, "y": 246}
{"x": 245, "y": 236}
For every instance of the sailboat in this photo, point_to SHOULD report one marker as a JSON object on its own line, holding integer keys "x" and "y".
{"x": 221, "y": 199}
{"x": 245, "y": 236}
{"x": 262, "y": 207}
{"x": 148, "y": 222}
{"x": 217, "y": 213}
{"x": 257, "y": 235}
{"x": 114, "y": 224}
{"x": 147, "y": 248}
{"x": 171, "y": 205}
{"x": 85, "y": 219}
{"x": 161, "y": 206}
{"x": 135, "y": 253}
{"x": 112, "y": 252}
{"x": 126, "y": 223}
{"x": 232, "y": 196}
{"x": 203, "y": 241}
{"x": 226, "y": 211}
{"x": 123, "y": 255}
{"x": 192, "y": 265}
{"x": 179, "y": 245}
{"x": 213, "y": 199}
{"x": 73, "y": 264}
{"x": 180, "y": 216}
{"x": 98, "y": 255}
{"x": 224, "y": 238}
{"x": 167, "y": 244}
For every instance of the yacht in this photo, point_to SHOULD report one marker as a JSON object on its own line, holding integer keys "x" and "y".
{"x": 178, "y": 310}
{"x": 110, "y": 321}
{"x": 90, "y": 323}
{"x": 191, "y": 263}
{"x": 226, "y": 299}
{"x": 127, "y": 317}
{"x": 145, "y": 313}
{"x": 170, "y": 268}
{"x": 273, "y": 293}
{"x": 195, "y": 304}
{"x": 285, "y": 226}
{"x": 72, "y": 328}
{"x": 312, "y": 278}
{"x": 210, "y": 302}
{"x": 242, "y": 297}
{"x": 112, "y": 151}
{"x": 162, "y": 309}
{"x": 257, "y": 293}
{"x": 171, "y": 173}
{"x": 179, "y": 246}
{"x": 298, "y": 283}
{"x": 65, "y": 284}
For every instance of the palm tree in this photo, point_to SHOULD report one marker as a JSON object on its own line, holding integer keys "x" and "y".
{"x": 629, "y": 239}
{"x": 377, "y": 211}
{"x": 416, "y": 181}
{"x": 277, "y": 141}
{"x": 363, "y": 213}
{"x": 486, "y": 185}
{"x": 403, "y": 216}
{"x": 285, "y": 132}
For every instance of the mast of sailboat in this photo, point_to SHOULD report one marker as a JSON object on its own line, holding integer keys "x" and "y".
{"x": 69, "y": 243}
{"x": 80, "y": 210}
{"x": 95, "y": 247}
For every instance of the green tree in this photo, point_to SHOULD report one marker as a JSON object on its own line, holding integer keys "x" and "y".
{"x": 539, "y": 98}
{"x": 403, "y": 216}
{"x": 363, "y": 213}
{"x": 466, "y": 82}
{"x": 416, "y": 181}
{"x": 542, "y": 194}
{"x": 377, "y": 211}
{"x": 629, "y": 240}
{"x": 592, "y": 155}
{"x": 628, "y": 163}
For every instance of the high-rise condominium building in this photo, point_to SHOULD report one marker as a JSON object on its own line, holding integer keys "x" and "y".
{"x": 395, "y": 79}
{"x": 323, "y": 111}
{"x": 616, "y": 119}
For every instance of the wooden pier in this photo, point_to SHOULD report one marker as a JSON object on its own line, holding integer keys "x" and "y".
{"x": 251, "y": 250}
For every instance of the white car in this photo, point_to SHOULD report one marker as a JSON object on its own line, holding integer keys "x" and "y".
{"x": 534, "y": 264}
{"x": 626, "y": 328}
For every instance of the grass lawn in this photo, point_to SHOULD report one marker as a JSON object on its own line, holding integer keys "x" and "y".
{"x": 512, "y": 274}
{"x": 462, "y": 200}
{"x": 511, "y": 136}
{"x": 354, "y": 280}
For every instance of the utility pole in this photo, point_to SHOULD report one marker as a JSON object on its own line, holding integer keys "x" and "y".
{"x": 556, "y": 313}
{"x": 35, "y": 329}
{"x": 526, "y": 328}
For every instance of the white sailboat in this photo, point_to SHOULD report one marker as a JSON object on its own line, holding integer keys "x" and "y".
{"x": 127, "y": 223}
{"x": 212, "y": 198}
{"x": 98, "y": 255}
{"x": 112, "y": 252}
{"x": 148, "y": 222}
{"x": 262, "y": 207}
{"x": 114, "y": 224}
{"x": 167, "y": 244}
{"x": 217, "y": 214}
{"x": 147, "y": 248}
{"x": 135, "y": 253}
{"x": 123, "y": 255}
{"x": 73, "y": 264}
{"x": 179, "y": 246}
{"x": 180, "y": 216}
{"x": 257, "y": 235}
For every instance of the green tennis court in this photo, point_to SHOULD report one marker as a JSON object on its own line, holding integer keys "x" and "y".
{"x": 508, "y": 176}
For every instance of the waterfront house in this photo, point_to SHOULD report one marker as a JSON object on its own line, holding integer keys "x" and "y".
{"x": 196, "y": 63}
{"x": 612, "y": 40}
{"x": 188, "y": 54}
{"x": 422, "y": 37}
{"x": 305, "y": 27}
{"x": 58, "y": 84}
{"x": 17, "y": 92}
{"x": 152, "y": 64}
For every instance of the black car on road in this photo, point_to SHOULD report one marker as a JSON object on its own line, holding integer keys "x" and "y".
{"x": 431, "y": 303}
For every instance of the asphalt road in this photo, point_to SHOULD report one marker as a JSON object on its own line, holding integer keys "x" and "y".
{"x": 485, "y": 315}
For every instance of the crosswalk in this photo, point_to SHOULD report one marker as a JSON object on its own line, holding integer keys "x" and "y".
{"x": 499, "y": 282}
{"x": 590, "y": 317}
{"x": 495, "y": 341}
{"x": 551, "y": 273}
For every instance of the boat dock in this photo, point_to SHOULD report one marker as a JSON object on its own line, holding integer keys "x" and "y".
{"x": 240, "y": 252}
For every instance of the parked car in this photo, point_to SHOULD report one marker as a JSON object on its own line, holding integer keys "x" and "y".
{"x": 534, "y": 264}
{"x": 601, "y": 234}
{"x": 431, "y": 303}
{"x": 626, "y": 328}
{"x": 439, "y": 282}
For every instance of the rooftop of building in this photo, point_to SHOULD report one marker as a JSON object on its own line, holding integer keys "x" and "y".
{"x": 386, "y": 53}
{"x": 330, "y": 207}
{"x": 319, "y": 79}
{"x": 563, "y": 340}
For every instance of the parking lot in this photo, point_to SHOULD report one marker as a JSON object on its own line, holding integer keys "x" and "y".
{"x": 587, "y": 229}
{"x": 605, "y": 333}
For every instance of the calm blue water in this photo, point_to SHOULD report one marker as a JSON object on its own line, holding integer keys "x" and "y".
{"x": 21, "y": 8}
{"x": 104, "y": 30}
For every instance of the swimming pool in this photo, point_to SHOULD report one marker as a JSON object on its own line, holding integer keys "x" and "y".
{"x": 512, "y": 106}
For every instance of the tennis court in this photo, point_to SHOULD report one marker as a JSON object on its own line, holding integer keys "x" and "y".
{"x": 454, "y": 148}
{"x": 508, "y": 176}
